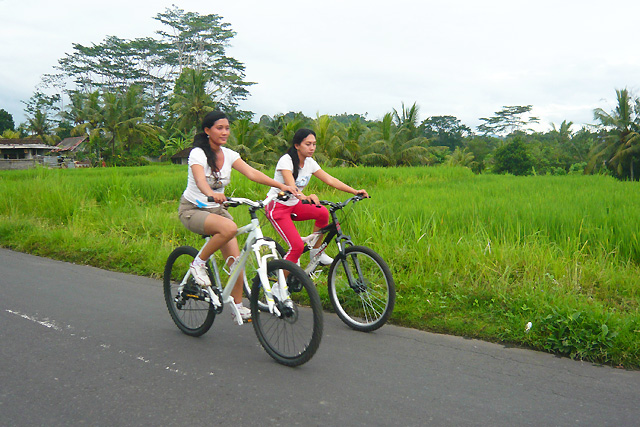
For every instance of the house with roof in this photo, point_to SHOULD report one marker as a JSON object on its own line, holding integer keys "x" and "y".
{"x": 22, "y": 153}
{"x": 70, "y": 145}
{"x": 181, "y": 157}
{"x": 25, "y": 149}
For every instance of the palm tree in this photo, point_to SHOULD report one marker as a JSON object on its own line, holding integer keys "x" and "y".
{"x": 461, "y": 157}
{"x": 621, "y": 145}
{"x": 392, "y": 147}
{"x": 408, "y": 119}
{"x": 173, "y": 144}
{"x": 347, "y": 150}
{"x": 250, "y": 140}
{"x": 190, "y": 101}
{"x": 40, "y": 125}
{"x": 327, "y": 136}
{"x": 121, "y": 118}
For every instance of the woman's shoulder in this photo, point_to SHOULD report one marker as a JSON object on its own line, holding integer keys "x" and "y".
{"x": 310, "y": 163}
{"x": 285, "y": 161}
{"x": 228, "y": 150}
{"x": 197, "y": 153}
{"x": 230, "y": 154}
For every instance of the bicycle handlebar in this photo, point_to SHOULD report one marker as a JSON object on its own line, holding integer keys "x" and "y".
{"x": 338, "y": 205}
{"x": 255, "y": 204}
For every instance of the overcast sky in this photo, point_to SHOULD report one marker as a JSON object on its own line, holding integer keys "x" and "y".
{"x": 464, "y": 58}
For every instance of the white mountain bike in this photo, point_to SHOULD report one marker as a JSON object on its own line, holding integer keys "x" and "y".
{"x": 288, "y": 331}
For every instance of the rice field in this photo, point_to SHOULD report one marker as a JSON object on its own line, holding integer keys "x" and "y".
{"x": 547, "y": 262}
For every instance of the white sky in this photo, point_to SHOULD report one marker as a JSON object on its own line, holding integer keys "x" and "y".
{"x": 464, "y": 58}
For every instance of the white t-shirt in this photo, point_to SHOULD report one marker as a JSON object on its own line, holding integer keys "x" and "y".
{"x": 304, "y": 175}
{"x": 197, "y": 157}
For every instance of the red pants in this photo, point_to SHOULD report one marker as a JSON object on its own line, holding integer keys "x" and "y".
{"x": 280, "y": 217}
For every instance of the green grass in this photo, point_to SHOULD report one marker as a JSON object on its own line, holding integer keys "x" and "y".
{"x": 472, "y": 255}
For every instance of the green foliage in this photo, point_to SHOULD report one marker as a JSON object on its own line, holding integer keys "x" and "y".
{"x": 474, "y": 255}
{"x": 191, "y": 101}
{"x": 508, "y": 120}
{"x": 619, "y": 150}
{"x": 513, "y": 158}
{"x": 6, "y": 121}
{"x": 445, "y": 131}
{"x": 186, "y": 72}
{"x": 578, "y": 334}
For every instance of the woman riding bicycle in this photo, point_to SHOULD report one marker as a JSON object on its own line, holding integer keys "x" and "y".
{"x": 210, "y": 165}
{"x": 295, "y": 169}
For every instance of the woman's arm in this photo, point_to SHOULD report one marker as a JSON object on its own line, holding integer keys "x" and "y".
{"x": 257, "y": 176}
{"x": 201, "y": 181}
{"x": 337, "y": 184}
{"x": 287, "y": 175}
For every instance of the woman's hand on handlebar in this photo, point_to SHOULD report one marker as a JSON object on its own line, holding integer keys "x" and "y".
{"x": 217, "y": 197}
{"x": 291, "y": 189}
{"x": 311, "y": 199}
{"x": 362, "y": 193}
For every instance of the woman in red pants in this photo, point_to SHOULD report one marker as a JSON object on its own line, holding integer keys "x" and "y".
{"x": 295, "y": 169}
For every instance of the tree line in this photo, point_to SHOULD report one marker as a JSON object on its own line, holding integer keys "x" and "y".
{"x": 147, "y": 96}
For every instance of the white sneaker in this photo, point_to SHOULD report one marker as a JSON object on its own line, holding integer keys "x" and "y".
{"x": 245, "y": 314}
{"x": 199, "y": 273}
{"x": 324, "y": 258}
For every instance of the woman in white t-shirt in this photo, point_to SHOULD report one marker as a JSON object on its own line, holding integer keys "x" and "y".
{"x": 210, "y": 165}
{"x": 295, "y": 169}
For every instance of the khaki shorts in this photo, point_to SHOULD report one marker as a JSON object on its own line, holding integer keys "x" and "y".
{"x": 193, "y": 217}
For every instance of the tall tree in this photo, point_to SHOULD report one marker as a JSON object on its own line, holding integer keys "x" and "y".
{"x": 327, "y": 136}
{"x": 249, "y": 139}
{"x": 6, "y": 121}
{"x": 390, "y": 148}
{"x": 508, "y": 120}
{"x": 620, "y": 148}
{"x": 514, "y": 158}
{"x": 194, "y": 41}
{"x": 190, "y": 101}
{"x": 41, "y": 110}
{"x": 407, "y": 119}
{"x": 199, "y": 42}
{"x": 121, "y": 119}
{"x": 445, "y": 131}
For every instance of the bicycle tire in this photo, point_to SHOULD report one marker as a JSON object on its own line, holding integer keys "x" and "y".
{"x": 192, "y": 316}
{"x": 292, "y": 338}
{"x": 366, "y": 304}
{"x": 250, "y": 272}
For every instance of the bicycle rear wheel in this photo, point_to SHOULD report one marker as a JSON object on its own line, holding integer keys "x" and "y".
{"x": 361, "y": 288}
{"x": 292, "y": 337}
{"x": 191, "y": 314}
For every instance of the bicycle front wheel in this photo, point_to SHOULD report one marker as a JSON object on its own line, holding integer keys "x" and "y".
{"x": 361, "y": 288}
{"x": 291, "y": 336}
{"x": 191, "y": 314}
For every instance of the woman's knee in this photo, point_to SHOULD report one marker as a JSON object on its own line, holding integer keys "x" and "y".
{"x": 295, "y": 252}
{"x": 215, "y": 224}
{"x": 297, "y": 247}
{"x": 322, "y": 218}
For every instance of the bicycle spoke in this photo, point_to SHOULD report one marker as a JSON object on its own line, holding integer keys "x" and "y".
{"x": 292, "y": 337}
{"x": 361, "y": 289}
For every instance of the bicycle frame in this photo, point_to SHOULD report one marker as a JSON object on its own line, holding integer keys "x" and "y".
{"x": 255, "y": 241}
{"x": 331, "y": 231}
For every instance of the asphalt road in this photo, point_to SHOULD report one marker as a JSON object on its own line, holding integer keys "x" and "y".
{"x": 84, "y": 346}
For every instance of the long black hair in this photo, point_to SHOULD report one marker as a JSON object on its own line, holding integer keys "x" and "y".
{"x": 201, "y": 139}
{"x": 298, "y": 137}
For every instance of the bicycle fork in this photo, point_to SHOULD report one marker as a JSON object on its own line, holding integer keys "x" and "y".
{"x": 279, "y": 293}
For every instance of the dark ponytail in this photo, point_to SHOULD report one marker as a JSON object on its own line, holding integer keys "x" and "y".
{"x": 201, "y": 139}
{"x": 298, "y": 137}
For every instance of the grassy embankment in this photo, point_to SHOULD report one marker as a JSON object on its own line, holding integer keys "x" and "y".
{"x": 477, "y": 256}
